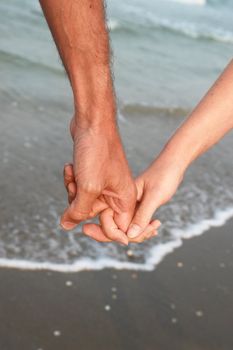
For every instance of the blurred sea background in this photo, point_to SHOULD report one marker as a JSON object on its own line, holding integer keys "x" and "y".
{"x": 166, "y": 54}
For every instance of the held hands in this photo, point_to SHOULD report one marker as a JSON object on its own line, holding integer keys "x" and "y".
{"x": 155, "y": 187}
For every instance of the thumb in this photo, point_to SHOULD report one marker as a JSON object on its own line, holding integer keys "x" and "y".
{"x": 143, "y": 215}
{"x": 79, "y": 209}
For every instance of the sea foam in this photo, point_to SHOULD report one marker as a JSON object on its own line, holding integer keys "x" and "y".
{"x": 113, "y": 24}
{"x": 155, "y": 256}
{"x": 191, "y": 29}
{"x": 192, "y": 2}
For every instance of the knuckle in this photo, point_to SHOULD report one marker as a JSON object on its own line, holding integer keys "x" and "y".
{"x": 90, "y": 187}
{"x": 79, "y": 216}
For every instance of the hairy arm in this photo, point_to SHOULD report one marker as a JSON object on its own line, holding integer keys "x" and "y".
{"x": 100, "y": 166}
{"x": 79, "y": 31}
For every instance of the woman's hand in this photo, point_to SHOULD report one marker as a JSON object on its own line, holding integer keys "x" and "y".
{"x": 155, "y": 187}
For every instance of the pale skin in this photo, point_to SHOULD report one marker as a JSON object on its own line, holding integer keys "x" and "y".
{"x": 100, "y": 180}
{"x": 206, "y": 125}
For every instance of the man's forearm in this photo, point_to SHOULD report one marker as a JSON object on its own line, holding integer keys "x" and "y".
{"x": 206, "y": 125}
{"x": 79, "y": 31}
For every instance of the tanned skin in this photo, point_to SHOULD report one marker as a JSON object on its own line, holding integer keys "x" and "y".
{"x": 101, "y": 171}
{"x": 206, "y": 125}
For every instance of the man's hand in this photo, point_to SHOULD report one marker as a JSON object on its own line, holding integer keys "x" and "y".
{"x": 80, "y": 32}
{"x": 101, "y": 179}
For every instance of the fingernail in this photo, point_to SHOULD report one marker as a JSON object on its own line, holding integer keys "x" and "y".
{"x": 68, "y": 225}
{"x": 123, "y": 240}
{"x": 125, "y": 244}
{"x": 134, "y": 231}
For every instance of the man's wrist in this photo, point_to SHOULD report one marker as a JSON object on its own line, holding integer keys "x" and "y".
{"x": 94, "y": 96}
{"x": 97, "y": 120}
{"x": 107, "y": 127}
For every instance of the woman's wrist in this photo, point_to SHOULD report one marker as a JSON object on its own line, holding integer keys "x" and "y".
{"x": 172, "y": 159}
{"x": 184, "y": 146}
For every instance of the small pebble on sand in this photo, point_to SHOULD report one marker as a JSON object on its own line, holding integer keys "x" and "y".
{"x": 173, "y": 306}
{"x": 199, "y": 313}
{"x": 69, "y": 283}
{"x": 134, "y": 275}
{"x": 174, "y": 320}
{"x": 130, "y": 253}
{"x": 114, "y": 296}
{"x": 57, "y": 333}
{"x": 180, "y": 264}
{"x": 114, "y": 289}
{"x": 114, "y": 277}
{"x": 107, "y": 307}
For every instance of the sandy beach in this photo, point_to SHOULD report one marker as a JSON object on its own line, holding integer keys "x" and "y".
{"x": 186, "y": 303}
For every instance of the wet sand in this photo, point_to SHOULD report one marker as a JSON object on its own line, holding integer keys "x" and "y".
{"x": 186, "y": 303}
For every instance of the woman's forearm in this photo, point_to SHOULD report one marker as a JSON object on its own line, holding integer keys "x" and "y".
{"x": 206, "y": 125}
{"x": 79, "y": 31}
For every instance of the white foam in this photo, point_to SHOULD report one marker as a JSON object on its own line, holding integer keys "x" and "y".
{"x": 156, "y": 255}
{"x": 113, "y": 24}
{"x": 192, "y": 2}
{"x": 192, "y": 29}
{"x": 81, "y": 265}
{"x": 197, "y": 229}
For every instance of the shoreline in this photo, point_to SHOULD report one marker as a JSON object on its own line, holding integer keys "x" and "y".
{"x": 157, "y": 253}
{"x": 187, "y": 301}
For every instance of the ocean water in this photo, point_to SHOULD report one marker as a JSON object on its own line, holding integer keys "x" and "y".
{"x": 166, "y": 54}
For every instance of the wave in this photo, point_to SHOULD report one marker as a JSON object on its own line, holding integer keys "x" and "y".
{"x": 192, "y": 2}
{"x": 32, "y": 63}
{"x": 192, "y": 30}
{"x": 146, "y": 109}
{"x": 155, "y": 256}
{"x": 189, "y": 29}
